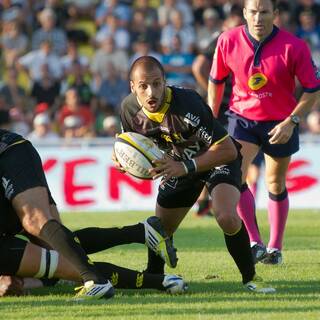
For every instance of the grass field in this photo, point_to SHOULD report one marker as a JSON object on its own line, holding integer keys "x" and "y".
{"x": 202, "y": 253}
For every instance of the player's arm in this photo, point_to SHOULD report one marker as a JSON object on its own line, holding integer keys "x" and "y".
{"x": 219, "y": 153}
{"x": 215, "y": 96}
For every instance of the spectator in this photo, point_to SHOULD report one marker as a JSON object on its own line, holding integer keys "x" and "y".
{"x": 19, "y": 122}
{"x": 142, "y": 47}
{"x": 111, "y": 126}
{"x": 113, "y": 7}
{"x": 49, "y": 32}
{"x": 13, "y": 42}
{"x": 73, "y": 56}
{"x": 12, "y": 93}
{"x": 211, "y": 24}
{"x": 178, "y": 65}
{"x": 47, "y": 88}
{"x": 42, "y": 129}
{"x": 72, "y": 107}
{"x": 309, "y": 29}
{"x": 177, "y": 26}
{"x": 139, "y": 27}
{"x": 168, "y": 6}
{"x": 78, "y": 78}
{"x": 32, "y": 62}
{"x": 109, "y": 54}
{"x": 113, "y": 89}
{"x": 303, "y": 5}
{"x": 112, "y": 27}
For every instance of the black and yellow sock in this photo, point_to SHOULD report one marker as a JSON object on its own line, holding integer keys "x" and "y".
{"x": 97, "y": 239}
{"x": 238, "y": 245}
{"x": 130, "y": 279}
{"x": 155, "y": 263}
{"x": 64, "y": 241}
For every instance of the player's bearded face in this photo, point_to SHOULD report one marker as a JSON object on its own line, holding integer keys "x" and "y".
{"x": 149, "y": 88}
{"x": 259, "y": 15}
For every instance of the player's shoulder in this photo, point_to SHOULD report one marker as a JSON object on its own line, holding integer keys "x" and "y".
{"x": 129, "y": 104}
{"x": 290, "y": 38}
{"x": 185, "y": 96}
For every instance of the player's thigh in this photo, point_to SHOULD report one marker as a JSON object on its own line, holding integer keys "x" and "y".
{"x": 25, "y": 184}
{"x": 175, "y": 198}
{"x": 225, "y": 207}
{"x": 276, "y": 170}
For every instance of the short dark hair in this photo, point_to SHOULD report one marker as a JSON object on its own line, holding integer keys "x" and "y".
{"x": 273, "y": 2}
{"x": 148, "y": 63}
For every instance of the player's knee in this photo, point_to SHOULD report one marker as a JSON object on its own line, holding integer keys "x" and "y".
{"x": 227, "y": 220}
{"x": 276, "y": 185}
{"x": 48, "y": 264}
{"x": 33, "y": 223}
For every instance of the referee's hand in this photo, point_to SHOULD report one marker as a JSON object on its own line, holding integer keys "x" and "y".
{"x": 282, "y": 132}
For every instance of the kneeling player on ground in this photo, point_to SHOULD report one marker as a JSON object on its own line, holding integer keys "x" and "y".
{"x": 30, "y": 260}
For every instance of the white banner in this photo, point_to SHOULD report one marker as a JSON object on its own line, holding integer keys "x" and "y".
{"x": 83, "y": 179}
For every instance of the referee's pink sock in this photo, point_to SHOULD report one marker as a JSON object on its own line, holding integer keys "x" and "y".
{"x": 247, "y": 212}
{"x": 278, "y": 208}
{"x": 254, "y": 188}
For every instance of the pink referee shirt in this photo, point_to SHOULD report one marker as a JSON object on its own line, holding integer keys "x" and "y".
{"x": 263, "y": 74}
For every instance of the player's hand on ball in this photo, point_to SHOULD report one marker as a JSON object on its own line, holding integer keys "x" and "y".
{"x": 11, "y": 286}
{"x": 167, "y": 168}
{"x": 116, "y": 163}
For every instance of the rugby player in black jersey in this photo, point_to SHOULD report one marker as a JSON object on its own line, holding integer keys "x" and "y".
{"x": 26, "y": 206}
{"x": 199, "y": 153}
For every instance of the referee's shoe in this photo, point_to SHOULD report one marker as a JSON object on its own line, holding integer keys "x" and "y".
{"x": 159, "y": 242}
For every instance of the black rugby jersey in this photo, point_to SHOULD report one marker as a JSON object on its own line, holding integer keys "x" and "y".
{"x": 8, "y": 138}
{"x": 184, "y": 126}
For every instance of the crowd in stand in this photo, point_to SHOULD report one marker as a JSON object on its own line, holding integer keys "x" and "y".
{"x": 64, "y": 64}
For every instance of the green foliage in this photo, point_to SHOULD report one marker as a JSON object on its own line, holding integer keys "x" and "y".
{"x": 214, "y": 282}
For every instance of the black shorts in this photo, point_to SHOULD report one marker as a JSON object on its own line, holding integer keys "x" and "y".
{"x": 20, "y": 170}
{"x": 256, "y": 132}
{"x": 183, "y": 192}
{"x": 11, "y": 253}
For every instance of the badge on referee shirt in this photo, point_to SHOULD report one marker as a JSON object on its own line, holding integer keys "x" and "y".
{"x": 257, "y": 81}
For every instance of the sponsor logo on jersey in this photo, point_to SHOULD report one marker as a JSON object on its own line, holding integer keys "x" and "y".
{"x": 191, "y": 151}
{"x": 257, "y": 81}
{"x": 8, "y": 187}
{"x": 204, "y": 135}
{"x": 192, "y": 119}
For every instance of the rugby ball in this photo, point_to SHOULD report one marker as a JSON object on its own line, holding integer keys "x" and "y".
{"x": 135, "y": 153}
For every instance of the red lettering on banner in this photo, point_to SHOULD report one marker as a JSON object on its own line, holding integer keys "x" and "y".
{"x": 49, "y": 164}
{"x": 301, "y": 182}
{"x": 117, "y": 178}
{"x": 70, "y": 189}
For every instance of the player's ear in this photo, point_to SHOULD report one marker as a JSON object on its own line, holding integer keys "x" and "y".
{"x": 132, "y": 86}
{"x": 244, "y": 12}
